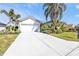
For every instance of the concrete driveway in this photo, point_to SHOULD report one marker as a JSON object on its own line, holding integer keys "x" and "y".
{"x": 39, "y": 44}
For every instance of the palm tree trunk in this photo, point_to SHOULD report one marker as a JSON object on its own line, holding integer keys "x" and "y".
{"x": 53, "y": 27}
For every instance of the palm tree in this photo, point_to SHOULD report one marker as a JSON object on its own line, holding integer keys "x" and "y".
{"x": 16, "y": 21}
{"x": 12, "y": 16}
{"x": 54, "y": 11}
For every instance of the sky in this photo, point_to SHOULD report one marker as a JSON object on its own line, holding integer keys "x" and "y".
{"x": 70, "y": 16}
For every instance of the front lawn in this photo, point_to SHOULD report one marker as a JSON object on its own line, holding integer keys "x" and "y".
{"x": 71, "y": 36}
{"x": 6, "y": 41}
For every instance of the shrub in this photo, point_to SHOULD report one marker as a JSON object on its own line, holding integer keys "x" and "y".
{"x": 58, "y": 31}
{"x": 12, "y": 29}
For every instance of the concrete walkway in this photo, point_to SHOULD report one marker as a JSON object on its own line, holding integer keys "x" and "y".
{"x": 39, "y": 44}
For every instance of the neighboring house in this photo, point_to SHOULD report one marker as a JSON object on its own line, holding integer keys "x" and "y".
{"x": 30, "y": 24}
{"x": 2, "y": 26}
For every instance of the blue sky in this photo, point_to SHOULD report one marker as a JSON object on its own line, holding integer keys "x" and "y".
{"x": 70, "y": 16}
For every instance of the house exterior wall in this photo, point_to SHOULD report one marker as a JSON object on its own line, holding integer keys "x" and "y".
{"x": 2, "y": 28}
{"x": 36, "y": 28}
{"x": 29, "y": 26}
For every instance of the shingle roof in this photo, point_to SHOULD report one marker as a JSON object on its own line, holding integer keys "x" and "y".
{"x": 2, "y": 24}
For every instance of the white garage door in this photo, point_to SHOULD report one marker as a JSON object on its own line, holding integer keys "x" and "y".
{"x": 26, "y": 28}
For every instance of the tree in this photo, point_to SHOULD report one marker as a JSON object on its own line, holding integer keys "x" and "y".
{"x": 54, "y": 11}
{"x": 12, "y": 16}
{"x": 64, "y": 27}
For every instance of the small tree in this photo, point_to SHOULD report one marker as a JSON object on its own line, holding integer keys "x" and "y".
{"x": 12, "y": 24}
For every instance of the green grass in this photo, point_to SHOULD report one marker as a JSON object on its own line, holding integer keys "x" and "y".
{"x": 6, "y": 41}
{"x": 70, "y": 36}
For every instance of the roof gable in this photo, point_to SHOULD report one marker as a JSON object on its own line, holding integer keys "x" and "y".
{"x": 28, "y": 21}
{"x": 32, "y": 18}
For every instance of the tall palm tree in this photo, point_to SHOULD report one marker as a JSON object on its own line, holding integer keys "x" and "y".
{"x": 54, "y": 11}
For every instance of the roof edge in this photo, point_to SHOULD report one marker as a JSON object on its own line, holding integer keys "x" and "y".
{"x": 30, "y": 17}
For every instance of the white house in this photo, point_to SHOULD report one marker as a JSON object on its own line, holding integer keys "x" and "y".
{"x": 2, "y": 26}
{"x": 30, "y": 24}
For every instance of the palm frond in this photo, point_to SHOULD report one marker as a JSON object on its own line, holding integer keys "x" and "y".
{"x": 4, "y": 11}
{"x": 18, "y": 16}
{"x": 45, "y": 5}
{"x": 63, "y": 6}
{"x": 60, "y": 13}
